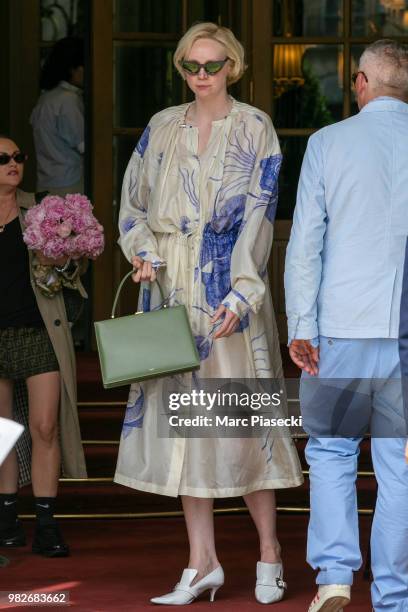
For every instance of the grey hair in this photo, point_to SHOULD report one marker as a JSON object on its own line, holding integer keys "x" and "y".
{"x": 386, "y": 64}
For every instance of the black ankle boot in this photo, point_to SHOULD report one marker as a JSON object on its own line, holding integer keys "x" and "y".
{"x": 48, "y": 540}
{"x": 12, "y": 534}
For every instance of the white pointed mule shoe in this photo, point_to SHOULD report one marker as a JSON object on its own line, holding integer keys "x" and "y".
{"x": 270, "y": 586}
{"x": 184, "y": 594}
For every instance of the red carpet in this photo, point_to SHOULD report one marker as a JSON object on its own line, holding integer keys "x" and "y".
{"x": 119, "y": 565}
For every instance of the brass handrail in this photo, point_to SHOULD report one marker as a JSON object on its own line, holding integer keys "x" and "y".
{"x": 178, "y": 513}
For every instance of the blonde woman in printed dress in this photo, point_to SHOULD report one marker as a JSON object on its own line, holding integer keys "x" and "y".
{"x": 199, "y": 195}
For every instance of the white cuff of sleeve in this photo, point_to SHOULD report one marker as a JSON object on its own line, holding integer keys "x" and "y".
{"x": 237, "y": 303}
{"x": 150, "y": 256}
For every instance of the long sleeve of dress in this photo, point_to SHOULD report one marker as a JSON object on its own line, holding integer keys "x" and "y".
{"x": 252, "y": 249}
{"x": 136, "y": 237}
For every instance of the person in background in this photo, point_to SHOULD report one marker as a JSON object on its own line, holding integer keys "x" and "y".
{"x": 58, "y": 129}
{"x": 343, "y": 279}
{"x": 58, "y": 120}
{"x": 36, "y": 348}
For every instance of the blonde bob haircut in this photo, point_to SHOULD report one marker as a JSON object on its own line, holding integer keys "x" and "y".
{"x": 224, "y": 36}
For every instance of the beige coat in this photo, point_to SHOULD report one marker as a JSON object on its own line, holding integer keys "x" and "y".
{"x": 54, "y": 315}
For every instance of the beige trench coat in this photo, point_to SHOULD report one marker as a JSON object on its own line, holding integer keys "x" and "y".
{"x": 54, "y": 315}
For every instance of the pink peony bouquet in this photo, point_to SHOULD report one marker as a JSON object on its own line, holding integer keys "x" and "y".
{"x": 64, "y": 227}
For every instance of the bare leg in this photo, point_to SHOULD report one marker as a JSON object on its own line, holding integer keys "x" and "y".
{"x": 9, "y": 469}
{"x": 262, "y": 507}
{"x": 43, "y": 396}
{"x": 198, "y": 513}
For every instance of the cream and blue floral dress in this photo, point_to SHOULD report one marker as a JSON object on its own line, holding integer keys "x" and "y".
{"x": 210, "y": 218}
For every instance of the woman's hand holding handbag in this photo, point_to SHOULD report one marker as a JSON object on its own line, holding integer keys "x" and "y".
{"x": 146, "y": 344}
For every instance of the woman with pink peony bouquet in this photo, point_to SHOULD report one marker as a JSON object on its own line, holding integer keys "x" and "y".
{"x": 36, "y": 349}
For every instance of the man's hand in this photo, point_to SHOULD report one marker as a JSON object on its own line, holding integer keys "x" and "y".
{"x": 229, "y": 324}
{"x": 47, "y": 261}
{"x": 406, "y": 452}
{"x": 143, "y": 270}
{"x": 305, "y": 356}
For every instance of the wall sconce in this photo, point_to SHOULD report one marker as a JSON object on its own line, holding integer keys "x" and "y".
{"x": 287, "y": 67}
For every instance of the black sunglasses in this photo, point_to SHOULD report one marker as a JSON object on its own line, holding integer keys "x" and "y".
{"x": 355, "y": 75}
{"x": 18, "y": 157}
{"x": 210, "y": 68}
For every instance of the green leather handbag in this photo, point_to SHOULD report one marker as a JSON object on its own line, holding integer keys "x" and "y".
{"x": 145, "y": 345}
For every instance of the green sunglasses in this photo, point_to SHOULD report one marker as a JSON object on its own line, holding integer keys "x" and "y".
{"x": 210, "y": 68}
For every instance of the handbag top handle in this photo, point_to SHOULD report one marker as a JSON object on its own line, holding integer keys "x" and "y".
{"x": 124, "y": 279}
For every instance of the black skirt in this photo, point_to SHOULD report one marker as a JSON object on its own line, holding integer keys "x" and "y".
{"x": 25, "y": 352}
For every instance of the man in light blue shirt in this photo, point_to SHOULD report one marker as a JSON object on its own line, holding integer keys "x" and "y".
{"x": 343, "y": 278}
